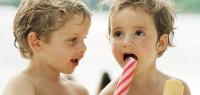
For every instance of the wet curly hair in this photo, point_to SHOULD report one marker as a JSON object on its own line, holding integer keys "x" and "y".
{"x": 43, "y": 17}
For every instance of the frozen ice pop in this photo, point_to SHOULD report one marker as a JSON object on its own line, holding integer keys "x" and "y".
{"x": 126, "y": 77}
{"x": 173, "y": 87}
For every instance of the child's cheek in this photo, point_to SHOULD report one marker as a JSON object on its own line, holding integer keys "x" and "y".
{"x": 116, "y": 51}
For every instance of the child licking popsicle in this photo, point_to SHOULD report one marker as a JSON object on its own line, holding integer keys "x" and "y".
{"x": 142, "y": 30}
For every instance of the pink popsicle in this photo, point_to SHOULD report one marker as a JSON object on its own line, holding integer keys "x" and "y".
{"x": 126, "y": 77}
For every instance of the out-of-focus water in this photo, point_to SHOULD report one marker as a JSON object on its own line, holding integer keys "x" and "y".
{"x": 181, "y": 61}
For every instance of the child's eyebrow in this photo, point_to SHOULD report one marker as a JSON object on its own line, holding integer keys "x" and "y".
{"x": 82, "y": 34}
{"x": 138, "y": 27}
{"x": 116, "y": 28}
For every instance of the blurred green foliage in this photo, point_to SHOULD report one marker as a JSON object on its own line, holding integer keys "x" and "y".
{"x": 10, "y": 2}
{"x": 187, "y": 5}
{"x": 181, "y": 5}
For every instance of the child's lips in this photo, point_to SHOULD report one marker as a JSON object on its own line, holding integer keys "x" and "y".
{"x": 74, "y": 62}
{"x": 126, "y": 56}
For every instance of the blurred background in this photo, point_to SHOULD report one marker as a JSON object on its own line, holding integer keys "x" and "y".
{"x": 98, "y": 66}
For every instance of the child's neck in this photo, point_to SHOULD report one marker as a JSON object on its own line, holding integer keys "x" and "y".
{"x": 148, "y": 77}
{"x": 43, "y": 71}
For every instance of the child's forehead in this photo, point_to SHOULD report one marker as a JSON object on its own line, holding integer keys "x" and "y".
{"x": 129, "y": 11}
{"x": 75, "y": 26}
{"x": 78, "y": 19}
{"x": 132, "y": 18}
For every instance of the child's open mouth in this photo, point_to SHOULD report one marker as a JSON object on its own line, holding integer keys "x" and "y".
{"x": 74, "y": 62}
{"x": 127, "y": 55}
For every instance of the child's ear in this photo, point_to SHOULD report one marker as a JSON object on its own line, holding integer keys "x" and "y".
{"x": 162, "y": 43}
{"x": 34, "y": 42}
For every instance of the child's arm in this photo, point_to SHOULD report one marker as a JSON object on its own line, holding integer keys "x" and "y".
{"x": 19, "y": 86}
{"x": 107, "y": 90}
{"x": 77, "y": 88}
{"x": 110, "y": 88}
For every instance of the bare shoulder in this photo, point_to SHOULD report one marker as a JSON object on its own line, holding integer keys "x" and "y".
{"x": 19, "y": 85}
{"x": 186, "y": 88}
{"x": 109, "y": 89}
{"x": 77, "y": 88}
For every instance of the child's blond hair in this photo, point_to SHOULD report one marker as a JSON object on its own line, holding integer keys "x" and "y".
{"x": 43, "y": 17}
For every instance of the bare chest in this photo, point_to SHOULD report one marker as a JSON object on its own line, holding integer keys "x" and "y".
{"x": 52, "y": 89}
{"x": 46, "y": 90}
{"x": 145, "y": 91}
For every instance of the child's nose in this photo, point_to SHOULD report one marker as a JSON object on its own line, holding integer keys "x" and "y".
{"x": 127, "y": 43}
{"x": 82, "y": 49}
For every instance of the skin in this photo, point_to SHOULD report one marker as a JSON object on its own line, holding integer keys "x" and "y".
{"x": 133, "y": 31}
{"x": 42, "y": 77}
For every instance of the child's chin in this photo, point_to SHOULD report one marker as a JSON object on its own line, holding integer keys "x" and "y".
{"x": 68, "y": 71}
{"x": 122, "y": 65}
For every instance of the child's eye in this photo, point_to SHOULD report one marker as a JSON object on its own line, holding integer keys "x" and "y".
{"x": 72, "y": 39}
{"x": 139, "y": 33}
{"x": 117, "y": 34}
